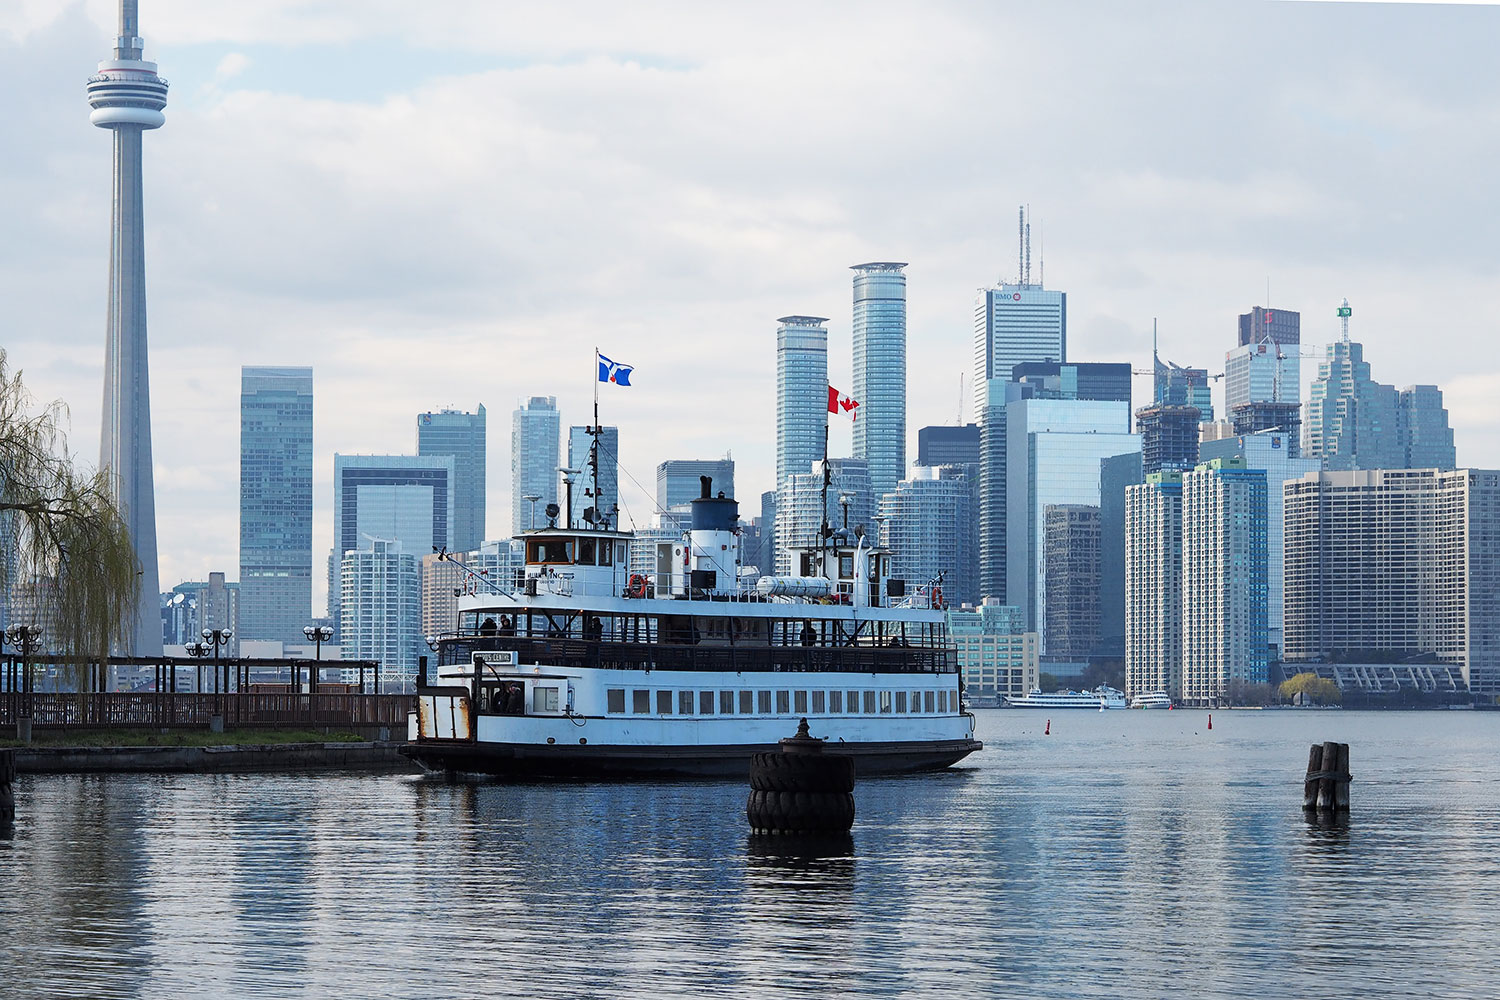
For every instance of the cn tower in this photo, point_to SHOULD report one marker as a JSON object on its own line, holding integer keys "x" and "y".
{"x": 127, "y": 97}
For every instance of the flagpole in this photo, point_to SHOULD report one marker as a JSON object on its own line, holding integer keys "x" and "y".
{"x": 594, "y": 446}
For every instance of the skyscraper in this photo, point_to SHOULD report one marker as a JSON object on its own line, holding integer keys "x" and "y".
{"x": 677, "y": 479}
{"x": 951, "y": 444}
{"x": 127, "y": 98}
{"x": 603, "y": 497}
{"x": 800, "y": 512}
{"x": 1153, "y": 585}
{"x": 276, "y": 457}
{"x": 1264, "y": 366}
{"x": 925, "y": 523}
{"x": 1351, "y": 418}
{"x": 1426, "y": 438}
{"x": 880, "y": 371}
{"x": 535, "y": 430}
{"x": 461, "y": 435}
{"x": 1174, "y": 385}
{"x": 1169, "y": 436}
{"x": 801, "y": 393}
{"x": 1014, "y": 324}
{"x": 381, "y": 609}
{"x": 1071, "y": 553}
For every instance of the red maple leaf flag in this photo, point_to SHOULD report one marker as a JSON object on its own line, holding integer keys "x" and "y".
{"x": 840, "y": 403}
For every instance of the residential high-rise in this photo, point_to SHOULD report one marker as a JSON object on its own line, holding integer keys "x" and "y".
{"x": 1224, "y": 587}
{"x": 801, "y": 394}
{"x": 1264, "y": 365}
{"x": 678, "y": 482}
{"x": 1014, "y": 324}
{"x": 1071, "y": 556}
{"x": 880, "y": 371}
{"x": 1393, "y": 565}
{"x": 381, "y": 609}
{"x": 1274, "y": 453}
{"x": 1265, "y": 415}
{"x": 925, "y": 523}
{"x": 534, "y": 433}
{"x": 605, "y": 497}
{"x": 127, "y": 97}
{"x": 490, "y": 569}
{"x": 276, "y": 486}
{"x": 800, "y": 512}
{"x": 1055, "y": 446}
{"x": 1153, "y": 585}
{"x": 995, "y": 658}
{"x": 949, "y": 444}
{"x": 1116, "y": 474}
{"x": 461, "y": 435}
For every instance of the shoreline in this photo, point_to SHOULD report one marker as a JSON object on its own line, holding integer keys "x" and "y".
{"x": 373, "y": 756}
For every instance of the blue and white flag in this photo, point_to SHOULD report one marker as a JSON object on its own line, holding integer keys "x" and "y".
{"x": 610, "y": 371}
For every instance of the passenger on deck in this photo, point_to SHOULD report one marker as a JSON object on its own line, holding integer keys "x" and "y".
{"x": 507, "y": 625}
{"x": 809, "y": 634}
{"x": 487, "y": 628}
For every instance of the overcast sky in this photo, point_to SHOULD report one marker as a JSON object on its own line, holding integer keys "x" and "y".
{"x": 455, "y": 202}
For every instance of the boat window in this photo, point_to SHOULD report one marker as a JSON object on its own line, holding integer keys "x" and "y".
{"x": 549, "y": 550}
{"x": 747, "y": 703}
{"x": 799, "y": 702}
{"x": 544, "y": 699}
{"x": 585, "y": 552}
{"x": 885, "y": 702}
{"x": 763, "y": 702}
{"x": 726, "y": 702}
{"x": 853, "y": 702}
{"x": 846, "y": 567}
{"x": 916, "y": 701}
{"x": 817, "y": 703}
{"x": 783, "y": 702}
{"x": 835, "y": 701}
{"x": 663, "y": 703}
{"x": 900, "y": 701}
{"x": 684, "y": 703}
{"x": 929, "y": 700}
{"x": 942, "y": 701}
{"x": 615, "y": 700}
{"x": 869, "y": 702}
{"x": 640, "y": 702}
{"x": 705, "y": 703}
{"x": 605, "y": 551}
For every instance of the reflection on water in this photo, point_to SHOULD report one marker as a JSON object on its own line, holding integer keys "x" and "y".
{"x": 1126, "y": 854}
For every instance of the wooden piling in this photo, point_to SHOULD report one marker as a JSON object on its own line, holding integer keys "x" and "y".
{"x": 1325, "y": 787}
{"x": 7, "y": 787}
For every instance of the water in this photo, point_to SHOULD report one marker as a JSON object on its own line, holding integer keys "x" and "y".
{"x": 1129, "y": 854}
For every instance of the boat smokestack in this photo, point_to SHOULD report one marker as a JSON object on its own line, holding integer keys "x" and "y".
{"x": 707, "y": 484}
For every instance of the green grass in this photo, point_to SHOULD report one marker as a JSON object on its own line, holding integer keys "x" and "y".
{"x": 175, "y": 737}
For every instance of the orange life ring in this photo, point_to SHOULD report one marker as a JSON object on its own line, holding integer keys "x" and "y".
{"x": 637, "y": 586}
{"x": 937, "y": 598}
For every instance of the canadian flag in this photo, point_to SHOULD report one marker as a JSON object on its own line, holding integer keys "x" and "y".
{"x": 840, "y": 403}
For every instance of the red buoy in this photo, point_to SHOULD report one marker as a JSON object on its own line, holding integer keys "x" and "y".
{"x": 1048, "y": 730}
{"x": 1210, "y": 720}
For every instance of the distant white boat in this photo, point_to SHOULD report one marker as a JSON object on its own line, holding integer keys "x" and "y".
{"x": 1100, "y": 698}
{"x": 1152, "y": 699}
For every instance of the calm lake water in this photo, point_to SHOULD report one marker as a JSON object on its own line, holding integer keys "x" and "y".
{"x": 1129, "y": 854}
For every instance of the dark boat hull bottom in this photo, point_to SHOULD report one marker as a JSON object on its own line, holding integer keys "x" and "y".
{"x": 521, "y": 761}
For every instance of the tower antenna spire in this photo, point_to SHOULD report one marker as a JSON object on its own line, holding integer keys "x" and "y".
{"x": 1021, "y": 245}
{"x": 1027, "y": 239}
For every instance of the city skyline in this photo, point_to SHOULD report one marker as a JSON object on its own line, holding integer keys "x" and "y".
{"x": 226, "y": 88}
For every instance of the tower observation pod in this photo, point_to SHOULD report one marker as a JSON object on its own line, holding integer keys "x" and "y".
{"x": 127, "y": 97}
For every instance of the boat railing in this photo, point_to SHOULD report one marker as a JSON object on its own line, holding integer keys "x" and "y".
{"x": 569, "y": 652}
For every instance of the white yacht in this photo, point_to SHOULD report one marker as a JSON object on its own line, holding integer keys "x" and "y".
{"x": 1100, "y": 698}
{"x": 1152, "y": 699}
{"x": 581, "y": 668}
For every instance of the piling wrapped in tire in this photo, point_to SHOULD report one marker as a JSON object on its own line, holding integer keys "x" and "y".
{"x": 801, "y": 789}
{"x": 801, "y": 772}
{"x": 799, "y": 812}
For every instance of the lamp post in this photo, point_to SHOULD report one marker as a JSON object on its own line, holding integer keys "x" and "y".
{"x": 533, "y": 498}
{"x": 317, "y": 635}
{"x": 197, "y": 650}
{"x": 219, "y": 637}
{"x": 27, "y": 639}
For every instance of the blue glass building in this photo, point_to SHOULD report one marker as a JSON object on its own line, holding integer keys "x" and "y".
{"x": 880, "y": 372}
{"x": 276, "y": 442}
{"x": 801, "y": 394}
{"x": 461, "y": 435}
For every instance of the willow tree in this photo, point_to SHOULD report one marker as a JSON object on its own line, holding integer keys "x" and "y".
{"x": 66, "y": 561}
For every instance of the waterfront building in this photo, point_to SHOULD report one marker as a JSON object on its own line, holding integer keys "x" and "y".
{"x": 534, "y": 432}
{"x": 1055, "y": 446}
{"x": 604, "y": 497}
{"x": 800, "y": 512}
{"x": 1274, "y": 453}
{"x": 925, "y": 523}
{"x": 461, "y": 435}
{"x": 1224, "y": 588}
{"x": 1395, "y": 564}
{"x": 1115, "y": 474}
{"x": 995, "y": 662}
{"x": 801, "y": 394}
{"x": 1264, "y": 365}
{"x": 879, "y": 336}
{"x": 127, "y": 97}
{"x": 380, "y": 609}
{"x": 1169, "y": 436}
{"x": 1153, "y": 585}
{"x": 1014, "y": 324}
{"x": 678, "y": 479}
{"x": 276, "y": 486}
{"x": 950, "y": 444}
{"x": 1071, "y": 560}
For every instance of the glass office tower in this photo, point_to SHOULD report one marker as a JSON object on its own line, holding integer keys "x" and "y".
{"x": 276, "y": 444}
{"x": 461, "y": 435}
{"x": 880, "y": 372}
{"x": 801, "y": 393}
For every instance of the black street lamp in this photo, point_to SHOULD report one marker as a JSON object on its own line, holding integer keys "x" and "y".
{"x": 27, "y": 639}
{"x": 317, "y": 634}
{"x": 198, "y": 650}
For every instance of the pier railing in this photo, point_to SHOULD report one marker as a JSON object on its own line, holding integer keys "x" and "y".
{"x": 665, "y": 656}
{"x": 166, "y": 710}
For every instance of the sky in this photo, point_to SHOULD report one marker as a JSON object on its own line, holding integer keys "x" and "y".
{"x": 455, "y": 202}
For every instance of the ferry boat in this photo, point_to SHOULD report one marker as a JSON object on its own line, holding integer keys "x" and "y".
{"x": 584, "y": 669}
{"x": 1152, "y": 699}
{"x": 1100, "y": 698}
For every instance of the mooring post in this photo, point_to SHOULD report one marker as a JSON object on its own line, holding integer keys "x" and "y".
{"x": 1310, "y": 783}
{"x": 7, "y": 787}
{"x": 1325, "y": 788}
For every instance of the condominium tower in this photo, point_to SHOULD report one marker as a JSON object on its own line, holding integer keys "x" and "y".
{"x": 535, "y": 431}
{"x": 461, "y": 435}
{"x": 1153, "y": 585}
{"x": 801, "y": 394}
{"x": 678, "y": 482}
{"x": 880, "y": 372}
{"x": 127, "y": 97}
{"x": 276, "y": 500}
{"x": 925, "y": 522}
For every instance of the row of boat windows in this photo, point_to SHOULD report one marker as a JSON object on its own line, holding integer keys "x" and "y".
{"x": 785, "y": 702}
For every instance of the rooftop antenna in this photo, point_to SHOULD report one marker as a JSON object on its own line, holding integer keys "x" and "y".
{"x": 960, "y": 417}
{"x": 1041, "y": 258}
{"x": 1344, "y": 313}
{"x": 1268, "y": 291}
{"x": 1021, "y": 245}
{"x": 1027, "y": 237}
